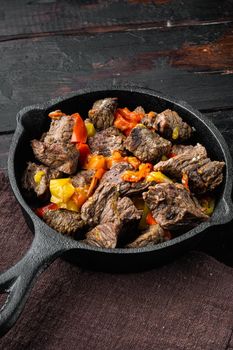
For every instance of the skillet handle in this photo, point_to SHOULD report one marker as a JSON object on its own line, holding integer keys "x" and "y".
{"x": 19, "y": 279}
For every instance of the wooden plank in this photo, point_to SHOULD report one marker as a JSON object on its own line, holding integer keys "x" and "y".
{"x": 24, "y": 17}
{"x": 193, "y": 64}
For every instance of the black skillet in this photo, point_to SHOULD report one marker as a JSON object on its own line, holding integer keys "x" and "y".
{"x": 48, "y": 244}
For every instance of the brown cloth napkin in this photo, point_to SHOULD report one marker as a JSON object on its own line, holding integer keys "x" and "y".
{"x": 187, "y": 304}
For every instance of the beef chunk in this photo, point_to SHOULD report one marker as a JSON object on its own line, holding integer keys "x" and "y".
{"x": 175, "y": 165}
{"x": 167, "y": 121}
{"x": 102, "y": 113}
{"x": 103, "y": 235}
{"x": 40, "y": 188}
{"x": 180, "y": 149}
{"x": 106, "y": 196}
{"x": 204, "y": 175}
{"x": 55, "y": 149}
{"x": 118, "y": 216}
{"x": 114, "y": 177}
{"x": 173, "y": 207}
{"x": 150, "y": 121}
{"x": 106, "y": 141}
{"x": 64, "y": 221}
{"x": 146, "y": 145}
{"x": 120, "y": 210}
{"x": 127, "y": 211}
{"x": 92, "y": 209}
{"x": 154, "y": 234}
{"x": 82, "y": 178}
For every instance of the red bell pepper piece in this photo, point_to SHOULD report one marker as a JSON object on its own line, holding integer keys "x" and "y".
{"x": 79, "y": 130}
{"x": 41, "y": 211}
{"x": 84, "y": 152}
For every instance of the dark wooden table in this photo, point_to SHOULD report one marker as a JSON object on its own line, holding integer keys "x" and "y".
{"x": 182, "y": 48}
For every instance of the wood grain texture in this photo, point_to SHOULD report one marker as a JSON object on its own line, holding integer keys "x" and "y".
{"x": 22, "y": 18}
{"x": 35, "y": 70}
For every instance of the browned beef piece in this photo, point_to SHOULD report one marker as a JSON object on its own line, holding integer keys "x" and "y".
{"x": 106, "y": 141}
{"x": 106, "y": 195}
{"x": 175, "y": 165}
{"x": 64, "y": 221}
{"x": 114, "y": 177}
{"x": 180, "y": 149}
{"x": 82, "y": 178}
{"x": 102, "y": 112}
{"x": 146, "y": 145}
{"x": 41, "y": 189}
{"x": 54, "y": 149}
{"x": 204, "y": 175}
{"x": 118, "y": 216}
{"x": 103, "y": 235}
{"x": 167, "y": 121}
{"x": 173, "y": 207}
{"x": 120, "y": 210}
{"x": 92, "y": 209}
{"x": 150, "y": 122}
{"x": 154, "y": 234}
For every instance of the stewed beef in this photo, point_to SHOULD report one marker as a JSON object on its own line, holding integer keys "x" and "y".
{"x": 92, "y": 209}
{"x": 146, "y": 145}
{"x": 171, "y": 126}
{"x": 150, "y": 121}
{"x": 119, "y": 217}
{"x": 102, "y": 112}
{"x": 175, "y": 165}
{"x": 203, "y": 174}
{"x": 82, "y": 178}
{"x": 180, "y": 149}
{"x": 154, "y": 234}
{"x": 106, "y": 141}
{"x": 54, "y": 149}
{"x": 103, "y": 235}
{"x": 114, "y": 177}
{"x": 173, "y": 207}
{"x": 36, "y": 179}
{"x": 64, "y": 221}
{"x": 110, "y": 188}
{"x": 120, "y": 210}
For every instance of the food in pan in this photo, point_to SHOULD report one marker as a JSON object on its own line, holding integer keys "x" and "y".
{"x": 121, "y": 178}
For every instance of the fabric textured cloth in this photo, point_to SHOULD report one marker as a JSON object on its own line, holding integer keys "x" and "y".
{"x": 187, "y": 304}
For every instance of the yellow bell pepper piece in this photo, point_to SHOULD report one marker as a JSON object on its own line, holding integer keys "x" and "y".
{"x": 38, "y": 176}
{"x": 61, "y": 190}
{"x": 158, "y": 177}
{"x": 90, "y": 129}
{"x": 175, "y": 133}
{"x": 70, "y": 205}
